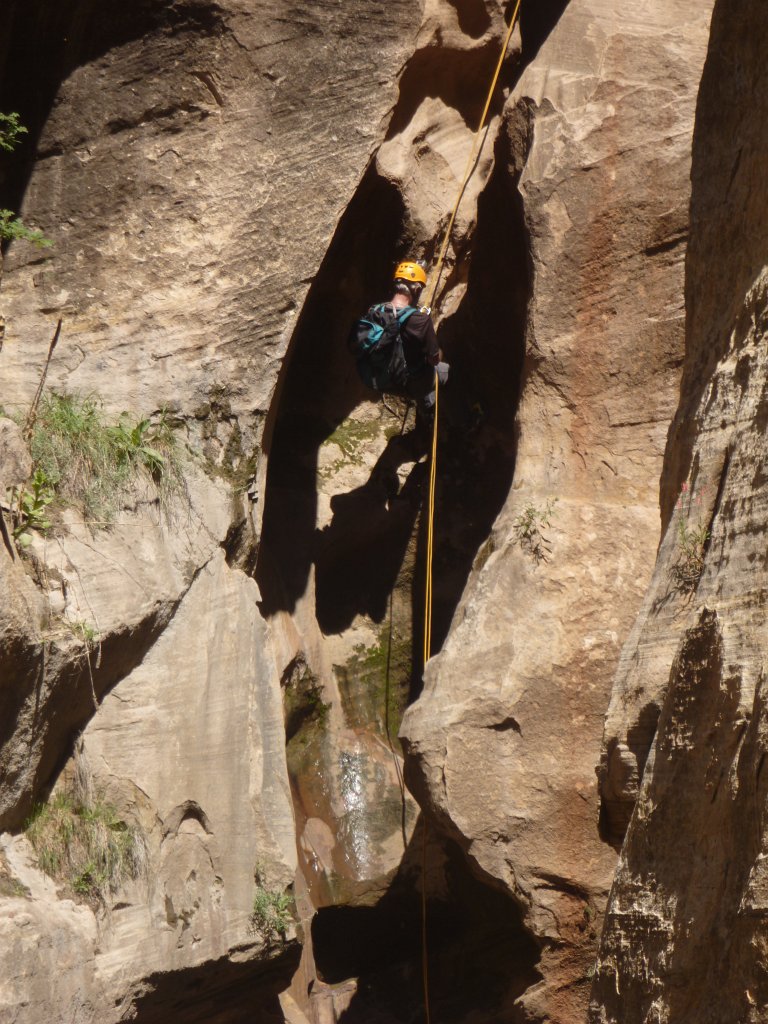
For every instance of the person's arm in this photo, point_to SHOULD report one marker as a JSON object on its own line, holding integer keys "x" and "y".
{"x": 420, "y": 325}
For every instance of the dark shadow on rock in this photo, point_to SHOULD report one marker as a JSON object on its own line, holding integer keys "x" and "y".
{"x": 480, "y": 956}
{"x": 359, "y": 554}
{"x": 50, "y": 688}
{"x": 461, "y": 77}
{"x": 42, "y": 43}
{"x": 537, "y": 20}
{"x": 484, "y": 343}
{"x": 319, "y": 386}
{"x": 728, "y": 215}
{"x": 473, "y": 16}
{"x": 697, "y": 850}
{"x": 218, "y": 992}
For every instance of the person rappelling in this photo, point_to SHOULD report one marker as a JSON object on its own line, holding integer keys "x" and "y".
{"x": 396, "y": 346}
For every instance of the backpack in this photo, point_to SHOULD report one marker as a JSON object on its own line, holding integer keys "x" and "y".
{"x": 375, "y": 340}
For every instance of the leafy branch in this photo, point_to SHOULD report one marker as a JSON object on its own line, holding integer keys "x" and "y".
{"x": 10, "y": 130}
{"x": 13, "y": 228}
{"x": 31, "y": 504}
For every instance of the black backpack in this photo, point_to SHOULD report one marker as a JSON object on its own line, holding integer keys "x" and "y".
{"x": 375, "y": 339}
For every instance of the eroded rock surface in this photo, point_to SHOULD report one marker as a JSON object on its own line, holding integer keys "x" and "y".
{"x": 212, "y": 175}
{"x": 685, "y": 739}
{"x": 190, "y": 162}
{"x": 502, "y": 747}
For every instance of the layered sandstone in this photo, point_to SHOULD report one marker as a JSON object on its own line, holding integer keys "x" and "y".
{"x": 503, "y": 753}
{"x": 190, "y": 162}
{"x": 685, "y": 739}
{"x": 214, "y": 178}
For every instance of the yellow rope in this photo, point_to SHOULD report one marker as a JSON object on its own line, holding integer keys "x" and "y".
{"x": 432, "y": 477}
{"x": 472, "y": 156}
{"x": 437, "y": 271}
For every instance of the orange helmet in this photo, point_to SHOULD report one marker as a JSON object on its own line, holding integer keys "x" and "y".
{"x": 409, "y": 271}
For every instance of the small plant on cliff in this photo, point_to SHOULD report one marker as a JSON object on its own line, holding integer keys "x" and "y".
{"x": 93, "y": 464}
{"x": 691, "y": 544}
{"x": 86, "y": 845}
{"x": 30, "y": 507}
{"x": 529, "y": 526}
{"x": 13, "y": 228}
{"x": 11, "y": 130}
{"x": 84, "y": 632}
{"x": 272, "y": 910}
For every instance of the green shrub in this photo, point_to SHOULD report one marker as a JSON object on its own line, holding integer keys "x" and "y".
{"x": 272, "y": 911}
{"x": 31, "y": 505}
{"x": 529, "y": 526}
{"x": 11, "y": 129}
{"x": 92, "y": 464}
{"x": 13, "y": 228}
{"x": 691, "y": 547}
{"x": 85, "y": 845}
{"x": 84, "y": 632}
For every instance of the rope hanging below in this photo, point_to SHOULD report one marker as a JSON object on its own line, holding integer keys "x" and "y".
{"x": 433, "y": 473}
{"x": 436, "y": 278}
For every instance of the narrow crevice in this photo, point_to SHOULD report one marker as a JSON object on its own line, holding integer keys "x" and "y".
{"x": 373, "y": 544}
{"x": 484, "y": 343}
{"x": 460, "y": 77}
{"x": 319, "y": 389}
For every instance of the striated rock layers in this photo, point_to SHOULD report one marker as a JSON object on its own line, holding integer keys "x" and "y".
{"x": 502, "y": 745}
{"x": 685, "y": 741}
{"x": 214, "y": 177}
{"x": 190, "y": 162}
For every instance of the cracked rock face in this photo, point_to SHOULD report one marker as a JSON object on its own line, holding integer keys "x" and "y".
{"x": 191, "y": 162}
{"x": 193, "y": 159}
{"x": 682, "y": 777}
{"x": 503, "y": 754}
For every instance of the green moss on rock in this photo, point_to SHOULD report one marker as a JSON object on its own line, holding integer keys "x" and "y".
{"x": 375, "y": 682}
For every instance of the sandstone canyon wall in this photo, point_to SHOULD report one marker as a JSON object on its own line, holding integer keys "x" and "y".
{"x": 227, "y": 185}
{"x": 684, "y": 747}
{"x": 605, "y": 195}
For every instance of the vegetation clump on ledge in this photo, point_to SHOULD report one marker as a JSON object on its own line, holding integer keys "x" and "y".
{"x": 83, "y": 461}
{"x": 272, "y": 910}
{"x": 85, "y": 845}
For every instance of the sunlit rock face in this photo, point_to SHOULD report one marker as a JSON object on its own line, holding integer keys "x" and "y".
{"x": 682, "y": 776}
{"x": 227, "y": 185}
{"x": 190, "y": 162}
{"x": 502, "y": 745}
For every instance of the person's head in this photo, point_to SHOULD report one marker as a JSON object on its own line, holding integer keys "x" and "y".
{"x": 409, "y": 279}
